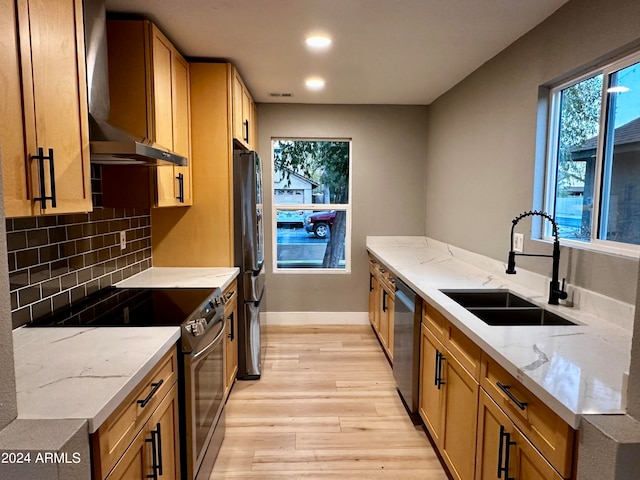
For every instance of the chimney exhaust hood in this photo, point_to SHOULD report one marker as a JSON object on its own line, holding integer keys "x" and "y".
{"x": 108, "y": 144}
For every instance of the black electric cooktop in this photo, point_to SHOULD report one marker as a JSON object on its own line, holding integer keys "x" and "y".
{"x": 130, "y": 306}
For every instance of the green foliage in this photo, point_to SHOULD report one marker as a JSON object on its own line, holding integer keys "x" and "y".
{"x": 579, "y": 121}
{"x": 326, "y": 162}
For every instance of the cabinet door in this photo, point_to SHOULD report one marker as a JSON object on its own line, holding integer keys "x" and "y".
{"x": 133, "y": 463}
{"x": 391, "y": 305}
{"x": 238, "y": 115}
{"x": 231, "y": 346}
{"x": 55, "y": 108}
{"x": 383, "y": 327}
{"x": 14, "y": 174}
{"x": 374, "y": 296}
{"x": 163, "y": 427}
{"x": 431, "y": 398}
{"x": 162, "y": 103}
{"x": 503, "y": 451}
{"x": 460, "y": 418}
{"x": 253, "y": 122}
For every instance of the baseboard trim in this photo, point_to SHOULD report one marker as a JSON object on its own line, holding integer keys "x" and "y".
{"x": 316, "y": 318}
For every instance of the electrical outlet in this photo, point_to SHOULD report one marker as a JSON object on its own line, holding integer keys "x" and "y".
{"x": 518, "y": 242}
{"x": 123, "y": 240}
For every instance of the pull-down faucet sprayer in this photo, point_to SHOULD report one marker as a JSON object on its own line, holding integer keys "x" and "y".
{"x": 555, "y": 291}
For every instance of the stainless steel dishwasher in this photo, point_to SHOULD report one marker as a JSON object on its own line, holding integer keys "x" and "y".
{"x": 406, "y": 346}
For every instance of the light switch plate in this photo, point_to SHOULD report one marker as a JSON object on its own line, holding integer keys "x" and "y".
{"x": 123, "y": 240}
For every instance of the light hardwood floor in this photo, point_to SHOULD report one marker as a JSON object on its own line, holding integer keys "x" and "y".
{"x": 326, "y": 407}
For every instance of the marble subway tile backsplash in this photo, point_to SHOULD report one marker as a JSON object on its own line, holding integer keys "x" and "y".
{"x": 55, "y": 261}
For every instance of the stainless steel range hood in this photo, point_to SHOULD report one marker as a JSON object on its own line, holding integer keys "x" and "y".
{"x": 108, "y": 144}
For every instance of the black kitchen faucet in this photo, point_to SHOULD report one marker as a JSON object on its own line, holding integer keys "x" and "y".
{"x": 555, "y": 291}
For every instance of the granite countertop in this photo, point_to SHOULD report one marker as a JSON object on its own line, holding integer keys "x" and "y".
{"x": 83, "y": 372}
{"x": 181, "y": 277}
{"x": 575, "y": 370}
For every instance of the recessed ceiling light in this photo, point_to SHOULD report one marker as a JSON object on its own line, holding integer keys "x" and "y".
{"x": 318, "y": 41}
{"x": 314, "y": 83}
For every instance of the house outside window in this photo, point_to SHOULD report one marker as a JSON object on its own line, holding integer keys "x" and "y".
{"x": 593, "y": 160}
{"x": 311, "y": 205}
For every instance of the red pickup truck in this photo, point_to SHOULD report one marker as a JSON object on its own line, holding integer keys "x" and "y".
{"x": 320, "y": 223}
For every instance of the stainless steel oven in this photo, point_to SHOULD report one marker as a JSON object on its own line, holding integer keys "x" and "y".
{"x": 202, "y": 345}
{"x": 200, "y": 315}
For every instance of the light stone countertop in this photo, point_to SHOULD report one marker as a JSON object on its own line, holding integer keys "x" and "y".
{"x": 86, "y": 372}
{"x": 181, "y": 277}
{"x": 83, "y": 372}
{"x": 575, "y": 370}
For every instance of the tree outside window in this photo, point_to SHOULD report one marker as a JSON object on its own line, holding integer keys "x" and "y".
{"x": 313, "y": 226}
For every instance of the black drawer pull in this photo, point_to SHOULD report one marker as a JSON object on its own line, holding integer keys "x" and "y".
{"x": 156, "y": 386}
{"x": 505, "y": 444}
{"x": 507, "y": 392}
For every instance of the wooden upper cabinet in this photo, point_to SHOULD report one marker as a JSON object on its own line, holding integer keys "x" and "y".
{"x": 44, "y": 106}
{"x": 150, "y": 99}
{"x": 244, "y": 114}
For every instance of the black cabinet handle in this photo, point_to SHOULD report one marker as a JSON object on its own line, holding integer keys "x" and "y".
{"x": 507, "y": 392}
{"x": 384, "y": 300}
{"x": 438, "y": 382}
{"x": 158, "y": 434}
{"x": 246, "y": 129}
{"x": 52, "y": 177}
{"x": 504, "y": 445}
{"x": 371, "y": 282}
{"x": 156, "y": 386}
{"x": 180, "y": 196}
{"x": 154, "y": 456}
{"x": 232, "y": 335}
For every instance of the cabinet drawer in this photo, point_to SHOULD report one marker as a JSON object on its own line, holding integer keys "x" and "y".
{"x": 544, "y": 429}
{"x": 117, "y": 432}
{"x": 434, "y": 321}
{"x": 387, "y": 279}
{"x": 464, "y": 349}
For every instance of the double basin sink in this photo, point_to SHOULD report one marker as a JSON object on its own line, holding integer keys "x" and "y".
{"x": 503, "y": 308}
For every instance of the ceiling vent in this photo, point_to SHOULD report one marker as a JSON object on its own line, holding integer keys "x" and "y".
{"x": 280, "y": 94}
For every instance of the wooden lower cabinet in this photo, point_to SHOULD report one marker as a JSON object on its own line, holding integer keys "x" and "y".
{"x": 374, "y": 293}
{"x": 156, "y": 448}
{"x": 385, "y": 327}
{"x": 143, "y": 431}
{"x": 382, "y": 293}
{"x": 431, "y": 400}
{"x": 231, "y": 339}
{"x": 503, "y": 451}
{"x": 448, "y": 404}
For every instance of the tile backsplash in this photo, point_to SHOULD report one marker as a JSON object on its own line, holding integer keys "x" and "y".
{"x": 55, "y": 261}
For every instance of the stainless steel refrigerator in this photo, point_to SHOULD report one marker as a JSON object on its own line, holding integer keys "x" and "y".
{"x": 249, "y": 257}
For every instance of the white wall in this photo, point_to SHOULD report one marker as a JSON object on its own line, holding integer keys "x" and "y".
{"x": 388, "y": 161}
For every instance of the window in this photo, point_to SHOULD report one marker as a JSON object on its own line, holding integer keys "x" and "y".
{"x": 311, "y": 205}
{"x": 593, "y": 167}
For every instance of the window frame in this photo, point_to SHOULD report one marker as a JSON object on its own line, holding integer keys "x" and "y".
{"x": 551, "y": 158}
{"x": 315, "y": 207}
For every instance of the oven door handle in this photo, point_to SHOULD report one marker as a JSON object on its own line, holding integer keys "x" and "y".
{"x": 208, "y": 347}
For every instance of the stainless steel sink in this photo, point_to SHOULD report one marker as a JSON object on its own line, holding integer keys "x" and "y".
{"x": 519, "y": 316}
{"x": 503, "y": 308}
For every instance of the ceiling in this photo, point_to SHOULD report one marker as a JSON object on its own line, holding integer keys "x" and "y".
{"x": 405, "y": 52}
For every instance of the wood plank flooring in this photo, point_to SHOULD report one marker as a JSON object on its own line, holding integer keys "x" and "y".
{"x": 326, "y": 407}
